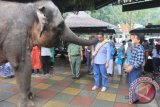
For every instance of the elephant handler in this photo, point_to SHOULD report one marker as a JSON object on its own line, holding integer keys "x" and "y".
{"x": 75, "y": 56}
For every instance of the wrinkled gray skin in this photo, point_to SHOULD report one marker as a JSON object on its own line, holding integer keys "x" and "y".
{"x": 22, "y": 26}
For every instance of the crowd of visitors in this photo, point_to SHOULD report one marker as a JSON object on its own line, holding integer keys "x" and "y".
{"x": 102, "y": 59}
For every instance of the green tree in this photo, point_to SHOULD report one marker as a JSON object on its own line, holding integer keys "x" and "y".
{"x": 114, "y": 15}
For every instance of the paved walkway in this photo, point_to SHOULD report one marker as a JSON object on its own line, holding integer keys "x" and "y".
{"x": 62, "y": 91}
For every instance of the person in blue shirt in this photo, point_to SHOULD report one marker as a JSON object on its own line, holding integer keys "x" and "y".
{"x": 112, "y": 52}
{"x": 120, "y": 57}
{"x": 129, "y": 51}
{"x": 6, "y": 70}
{"x": 101, "y": 62}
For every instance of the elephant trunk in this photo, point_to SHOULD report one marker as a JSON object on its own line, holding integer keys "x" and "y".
{"x": 71, "y": 37}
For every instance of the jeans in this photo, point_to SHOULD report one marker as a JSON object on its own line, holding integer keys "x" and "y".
{"x": 89, "y": 66}
{"x": 157, "y": 64}
{"x": 154, "y": 64}
{"x": 97, "y": 70}
{"x": 132, "y": 76}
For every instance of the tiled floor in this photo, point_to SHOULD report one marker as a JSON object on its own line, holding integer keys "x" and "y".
{"x": 62, "y": 91}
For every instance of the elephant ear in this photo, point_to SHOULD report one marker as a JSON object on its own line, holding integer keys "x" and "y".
{"x": 42, "y": 17}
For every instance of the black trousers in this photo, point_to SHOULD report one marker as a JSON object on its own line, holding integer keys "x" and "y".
{"x": 35, "y": 70}
{"x": 45, "y": 64}
{"x": 157, "y": 64}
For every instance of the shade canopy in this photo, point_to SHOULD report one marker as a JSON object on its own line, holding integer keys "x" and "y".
{"x": 150, "y": 29}
{"x": 84, "y": 23}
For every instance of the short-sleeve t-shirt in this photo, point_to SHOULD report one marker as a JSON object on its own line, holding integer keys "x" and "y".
{"x": 74, "y": 49}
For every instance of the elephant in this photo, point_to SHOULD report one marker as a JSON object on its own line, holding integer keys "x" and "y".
{"x": 21, "y": 26}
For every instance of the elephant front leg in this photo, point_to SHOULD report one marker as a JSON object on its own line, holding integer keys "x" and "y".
{"x": 23, "y": 78}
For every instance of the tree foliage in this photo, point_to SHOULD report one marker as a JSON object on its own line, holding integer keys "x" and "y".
{"x": 114, "y": 15}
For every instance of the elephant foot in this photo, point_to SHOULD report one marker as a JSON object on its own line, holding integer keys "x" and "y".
{"x": 28, "y": 103}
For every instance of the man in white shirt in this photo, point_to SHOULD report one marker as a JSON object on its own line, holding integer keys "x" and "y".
{"x": 154, "y": 55}
{"x": 45, "y": 57}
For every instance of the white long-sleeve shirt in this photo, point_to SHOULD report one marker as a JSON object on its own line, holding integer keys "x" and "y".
{"x": 46, "y": 52}
{"x": 154, "y": 53}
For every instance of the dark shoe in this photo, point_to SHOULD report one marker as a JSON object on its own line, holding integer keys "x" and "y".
{"x": 91, "y": 73}
{"x": 136, "y": 102}
{"x": 110, "y": 75}
{"x": 11, "y": 76}
{"x": 73, "y": 77}
{"x": 78, "y": 77}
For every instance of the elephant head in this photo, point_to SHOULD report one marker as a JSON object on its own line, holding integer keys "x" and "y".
{"x": 52, "y": 27}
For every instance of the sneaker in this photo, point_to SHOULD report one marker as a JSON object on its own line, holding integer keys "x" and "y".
{"x": 88, "y": 71}
{"x": 94, "y": 87}
{"x": 91, "y": 73}
{"x": 78, "y": 77}
{"x": 73, "y": 77}
{"x": 135, "y": 102}
{"x": 37, "y": 75}
{"x": 43, "y": 75}
{"x": 33, "y": 75}
{"x": 103, "y": 89}
{"x": 109, "y": 75}
{"x": 47, "y": 75}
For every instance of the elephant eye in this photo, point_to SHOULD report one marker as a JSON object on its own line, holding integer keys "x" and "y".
{"x": 59, "y": 27}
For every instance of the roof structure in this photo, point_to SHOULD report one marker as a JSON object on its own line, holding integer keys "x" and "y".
{"x": 150, "y": 29}
{"x": 74, "y": 5}
{"x": 82, "y": 5}
{"x": 140, "y": 4}
{"x": 82, "y": 22}
{"x": 82, "y": 19}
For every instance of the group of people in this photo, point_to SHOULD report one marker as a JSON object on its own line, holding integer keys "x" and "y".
{"x": 152, "y": 57}
{"x": 100, "y": 60}
{"x": 155, "y": 58}
{"x": 116, "y": 55}
{"x": 101, "y": 57}
{"x": 42, "y": 58}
